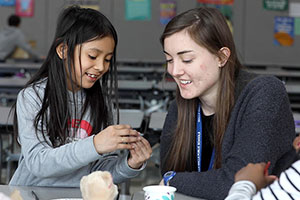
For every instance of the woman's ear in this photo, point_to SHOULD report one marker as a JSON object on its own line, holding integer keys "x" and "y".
{"x": 61, "y": 50}
{"x": 225, "y": 54}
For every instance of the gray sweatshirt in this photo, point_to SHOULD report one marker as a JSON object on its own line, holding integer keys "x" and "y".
{"x": 64, "y": 166}
{"x": 11, "y": 38}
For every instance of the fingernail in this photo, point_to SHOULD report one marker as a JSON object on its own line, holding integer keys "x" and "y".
{"x": 298, "y": 144}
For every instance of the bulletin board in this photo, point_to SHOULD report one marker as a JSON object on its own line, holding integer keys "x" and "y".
{"x": 254, "y": 28}
{"x": 139, "y": 39}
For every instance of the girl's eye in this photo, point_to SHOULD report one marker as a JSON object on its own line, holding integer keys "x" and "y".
{"x": 108, "y": 60}
{"x": 92, "y": 57}
{"x": 169, "y": 61}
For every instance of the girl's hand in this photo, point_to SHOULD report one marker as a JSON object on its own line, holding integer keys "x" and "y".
{"x": 296, "y": 143}
{"x": 255, "y": 173}
{"x": 115, "y": 137}
{"x": 140, "y": 153}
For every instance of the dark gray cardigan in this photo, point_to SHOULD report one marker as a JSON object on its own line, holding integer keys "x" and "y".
{"x": 261, "y": 128}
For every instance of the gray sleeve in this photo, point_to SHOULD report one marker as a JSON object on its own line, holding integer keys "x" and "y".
{"x": 117, "y": 165}
{"x": 46, "y": 161}
{"x": 40, "y": 158}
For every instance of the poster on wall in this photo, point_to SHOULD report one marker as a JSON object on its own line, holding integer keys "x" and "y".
{"x": 283, "y": 31}
{"x": 294, "y": 10}
{"x": 138, "y": 10}
{"x": 24, "y": 8}
{"x": 167, "y": 11}
{"x": 93, "y": 4}
{"x": 7, "y": 2}
{"x": 297, "y": 26}
{"x": 275, "y": 4}
{"x": 225, "y": 9}
{"x": 217, "y": 2}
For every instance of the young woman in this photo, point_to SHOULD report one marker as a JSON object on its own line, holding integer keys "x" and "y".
{"x": 64, "y": 114}
{"x": 223, "y": 117}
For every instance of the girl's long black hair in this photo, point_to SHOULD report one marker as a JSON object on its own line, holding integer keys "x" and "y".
{"x": 75, "y": 26}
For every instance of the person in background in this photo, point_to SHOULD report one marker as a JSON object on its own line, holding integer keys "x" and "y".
{"x": 253, "y": 178}
{"x": 64, "y": 115}
{"x": 223, "y": 117}
{"x": 12, "y": 37}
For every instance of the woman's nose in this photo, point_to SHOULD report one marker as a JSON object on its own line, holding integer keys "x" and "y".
{"x": 175, "y": 69}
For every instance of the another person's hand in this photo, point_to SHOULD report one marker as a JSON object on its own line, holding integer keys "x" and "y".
{"x": 115, "y": 137}
{"x": 255, "y": 173}
{"x": 140, "y": 153}
{"x": 296, "y": 143}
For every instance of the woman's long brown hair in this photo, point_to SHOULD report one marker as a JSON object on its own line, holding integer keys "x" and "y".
{"x": 208, "y": 28}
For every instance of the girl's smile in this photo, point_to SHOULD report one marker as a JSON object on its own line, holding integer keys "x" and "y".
{"x": 95, "y": 57}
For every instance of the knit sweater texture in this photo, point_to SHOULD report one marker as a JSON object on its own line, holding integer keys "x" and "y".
{"x": 261, "y": 128}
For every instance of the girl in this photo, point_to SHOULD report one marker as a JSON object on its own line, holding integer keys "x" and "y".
{"x": 64, "y": 107}
{"x": 223, "y": 117}
{"x": 251, "y": 182}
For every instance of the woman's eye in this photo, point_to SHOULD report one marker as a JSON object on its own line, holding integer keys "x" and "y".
{"x": 187, "y": 61}
{"x": 92, "y": 57}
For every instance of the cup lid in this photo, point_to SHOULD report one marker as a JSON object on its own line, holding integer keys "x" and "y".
{"x": 159, "y": 188}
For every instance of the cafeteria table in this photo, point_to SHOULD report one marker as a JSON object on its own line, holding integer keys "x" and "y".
{"x": 47, "y": 193}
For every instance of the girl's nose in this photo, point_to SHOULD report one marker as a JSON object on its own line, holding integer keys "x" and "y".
{"x": 99, "y": 66}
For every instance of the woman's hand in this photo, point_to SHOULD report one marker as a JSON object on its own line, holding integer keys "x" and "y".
{"x": 140, "y": 153}
{"x": 116, "y": 137}
{"x": 255, "y": 173}
{"x": 162, "y": 182}
{"x": 296, "y": 143}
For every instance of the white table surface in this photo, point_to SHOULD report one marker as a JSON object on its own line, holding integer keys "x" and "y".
{"x": 48, "y": 193}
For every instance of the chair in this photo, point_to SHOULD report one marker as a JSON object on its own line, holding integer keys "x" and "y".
{"x": 156, "y": 123}
{"x": 133, "y": 117}
{"x": 297, "y": 122}
{"x": 7, "y": 154}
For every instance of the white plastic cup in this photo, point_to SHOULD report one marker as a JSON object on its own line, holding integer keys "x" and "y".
{"x": 161, "y": 192}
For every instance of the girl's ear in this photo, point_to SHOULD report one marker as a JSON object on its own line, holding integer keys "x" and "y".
{"x": 225, "y": 54}
{"x": 61, "y": 50}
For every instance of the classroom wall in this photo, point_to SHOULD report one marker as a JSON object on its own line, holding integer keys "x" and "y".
{"x": 139, "y": 40}
{"x": 41, "y": 26}
{"x": 254, "y": 31}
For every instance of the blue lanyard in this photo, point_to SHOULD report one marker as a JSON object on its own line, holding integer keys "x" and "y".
{"x": 199, "y": 142}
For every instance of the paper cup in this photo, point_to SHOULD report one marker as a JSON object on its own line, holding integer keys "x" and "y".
{"x": 161, "y": 192}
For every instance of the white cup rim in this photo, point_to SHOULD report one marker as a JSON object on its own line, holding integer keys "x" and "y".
{"x": 159, "y": 187}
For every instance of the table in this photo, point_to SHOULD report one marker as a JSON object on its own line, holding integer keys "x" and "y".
{"x": 5, "y": 120}
{"x": 12, "y": 84}
{"x": 18, "y": 66}
{"x": 178, "y": 196}
{"x": 47, "y": 193}
{"x": 43, "y": 193}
